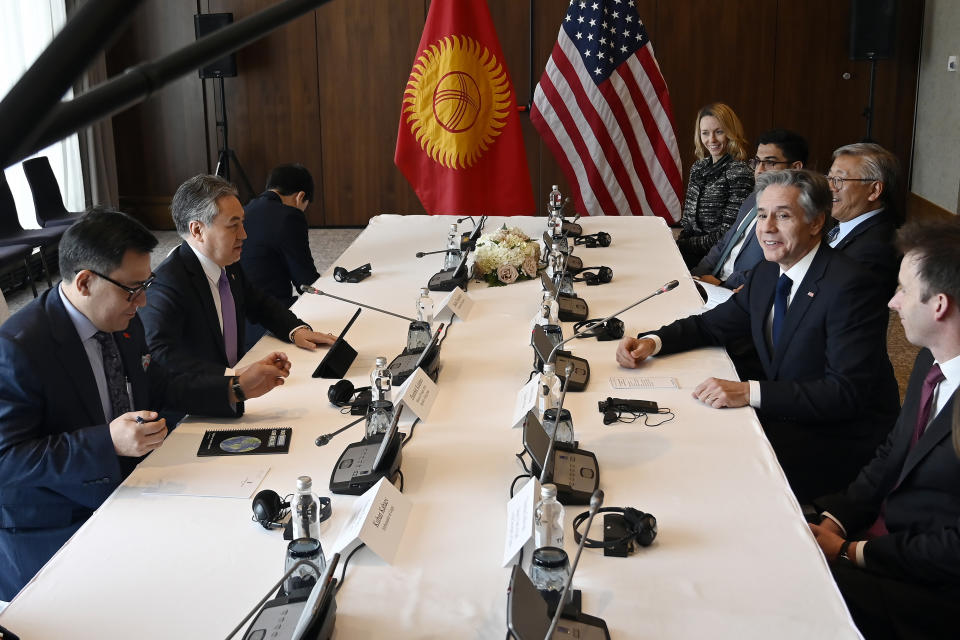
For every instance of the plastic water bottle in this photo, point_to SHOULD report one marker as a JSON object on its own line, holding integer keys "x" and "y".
{"x": 548, "y": 393}
{"x": 550, "y": 308}
{"x": 452, "y": 258}
{"x": 554, "y": 205}
{"x": 425, "y": 306}
{"x": 306, "y": 522}
{"x": 548, "y": 519}
{"x": 555, "y": 262}
{"x": 381, "y": 380}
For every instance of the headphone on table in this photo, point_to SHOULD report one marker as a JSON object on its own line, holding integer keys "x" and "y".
{"x": 343, "y": 394}
{"x": 269, "y": 509}
{"x": 593, "y": 240}
{"x": 641, "y": 528}
{"x": 603, "y": 275}
{"x": 612, "y": 329}
{"x": 342, "y": 275}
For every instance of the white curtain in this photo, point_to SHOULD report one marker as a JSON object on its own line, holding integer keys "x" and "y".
{"x": 26, "y": 28}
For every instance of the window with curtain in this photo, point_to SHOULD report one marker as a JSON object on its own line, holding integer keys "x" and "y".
{"x": 26, "y": 28}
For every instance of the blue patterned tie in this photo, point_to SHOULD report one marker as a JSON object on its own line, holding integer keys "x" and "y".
{"x": 113, "y": 369}
{"x": 228, "y": 310}
{"x": 784, "y": 284}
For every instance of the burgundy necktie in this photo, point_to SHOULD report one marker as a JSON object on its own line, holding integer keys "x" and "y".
{"x": 934, "y": 377}
{"x": 229, "y": 312}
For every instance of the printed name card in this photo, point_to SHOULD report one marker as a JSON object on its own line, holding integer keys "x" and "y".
{"x": 418, "y": 392}
{"x": 520, "y": 514}
{"x": 379, "y": 518}
{"x": 526, "y": 401}
{"x": 458, "y": 302}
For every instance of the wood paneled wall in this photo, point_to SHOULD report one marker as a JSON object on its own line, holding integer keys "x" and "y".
{"x": 325, "y": 90}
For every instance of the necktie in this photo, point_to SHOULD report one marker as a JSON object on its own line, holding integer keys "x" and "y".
{"x": 934, "y": 377}
{"x": 832, "y": 235}
{"x": 784, "y": 284}
{"x": 113, "y": 368}
{"x": 734, "y": 239}
{"x": 229, "y": 312}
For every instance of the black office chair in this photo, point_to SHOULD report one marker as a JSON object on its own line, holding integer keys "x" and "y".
{"x": 47, "y": 199}
{"x": 11, "y": 255}
{"x": 11, "y": 233}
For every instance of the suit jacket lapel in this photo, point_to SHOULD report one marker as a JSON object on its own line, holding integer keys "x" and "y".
{"x": 762, "y": 288}
{"x": 201, "y": 286}
{"x": 73, "y": 357}
{"x": 803, "y": 296}
{"x": 936, "y": 431}
{"x": 861, "y": 228}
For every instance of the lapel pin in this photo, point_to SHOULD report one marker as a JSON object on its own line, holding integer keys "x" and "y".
{"x": 810, "y": 293}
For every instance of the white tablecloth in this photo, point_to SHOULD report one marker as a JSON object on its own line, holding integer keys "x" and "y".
{"x": 733, "y": 559}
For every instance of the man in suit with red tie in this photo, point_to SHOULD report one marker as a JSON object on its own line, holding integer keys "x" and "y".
{"x": 818, "y": 322}
{"x": 893, "y": 537}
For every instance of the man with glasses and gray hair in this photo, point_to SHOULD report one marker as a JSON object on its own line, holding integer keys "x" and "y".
{"x": 201, "y": 298}
{"x": 864, "y": 179}
{"x": 818, "y": 323}
{"x": 79, "y": 392}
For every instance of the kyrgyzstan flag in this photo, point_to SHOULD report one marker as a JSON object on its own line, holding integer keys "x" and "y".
{"x": 459, "y": 142}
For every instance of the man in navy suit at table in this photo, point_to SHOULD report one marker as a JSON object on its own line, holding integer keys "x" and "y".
{"x": 738, "y": 251}
{"x": 893, "y": 537}
{"x": 818, "y": 323}
{"x": 202, "y": 296}
{"x": 80, "y": 392}
{"x": 276, "y": 254}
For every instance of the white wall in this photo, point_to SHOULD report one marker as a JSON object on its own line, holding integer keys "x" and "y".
{"x": 936, "y": 155}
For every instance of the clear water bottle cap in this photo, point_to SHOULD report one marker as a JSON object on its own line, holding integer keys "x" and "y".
{"x": 555, "y": 187}
{"x": 424, "y": 292}
{"x": 549, "y": 368}
{"x": 548, "y": 491}
{"x": 381, "y": 362}
{"x": 556, "y": 246}
{"x": 453, "y": 227}
{"x": 304, "y": 483}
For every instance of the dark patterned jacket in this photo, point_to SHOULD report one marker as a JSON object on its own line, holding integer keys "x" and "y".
{"x": 715, "y": 192}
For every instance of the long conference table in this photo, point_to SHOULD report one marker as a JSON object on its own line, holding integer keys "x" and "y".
{"x": 733, "y": 558}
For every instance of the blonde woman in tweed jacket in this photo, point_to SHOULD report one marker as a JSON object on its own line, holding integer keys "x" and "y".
{"x": 719, "y": 181}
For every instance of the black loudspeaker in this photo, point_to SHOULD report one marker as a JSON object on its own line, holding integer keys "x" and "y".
{"x": 872, "y": 29}
{"x": 204, "y": 24}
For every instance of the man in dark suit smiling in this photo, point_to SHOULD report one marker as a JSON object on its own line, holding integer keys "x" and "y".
{"x": 818, "y": 322}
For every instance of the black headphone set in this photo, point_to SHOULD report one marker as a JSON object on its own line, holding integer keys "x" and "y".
{"x": 629, "y": 410}
{"x": 360, "y": 273}
{"x": 593, "y": 240}
{"x": 636, "y": 527}
{"x": 269, "y": 509}
{"x": 612, "y": 329}
{"x": 603, "y": 275}
{"x": 343, "y": 394}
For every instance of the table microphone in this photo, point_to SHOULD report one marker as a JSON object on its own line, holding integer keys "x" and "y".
{"x": 596, "y": 501}
{"x": 327, "y": 437}
{"x": 670, "y": 286}
{"x": 308, "y": 289}
{"x": 470, "y": 218}
{"x": 420, "y": 254}
{"x": 547, "y": 470}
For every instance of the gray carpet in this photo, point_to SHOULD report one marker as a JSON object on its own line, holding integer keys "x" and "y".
{"x": 325, "y": 244}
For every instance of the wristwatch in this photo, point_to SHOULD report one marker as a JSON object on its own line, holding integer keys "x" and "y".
{"x": 844, "y": 551}
{"x": 237, "y": 389}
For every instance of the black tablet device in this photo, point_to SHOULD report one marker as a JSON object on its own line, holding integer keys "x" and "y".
{"x": 339, "y": 357}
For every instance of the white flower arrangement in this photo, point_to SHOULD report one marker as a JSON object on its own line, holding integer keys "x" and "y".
{"x": 505, "y": 256}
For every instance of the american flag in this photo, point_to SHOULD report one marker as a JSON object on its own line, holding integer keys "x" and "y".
{"x": 603, "y": 109}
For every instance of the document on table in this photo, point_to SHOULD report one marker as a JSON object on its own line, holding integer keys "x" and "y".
{"x": 198, "y": 479}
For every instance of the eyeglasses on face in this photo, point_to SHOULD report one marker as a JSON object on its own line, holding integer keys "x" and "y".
{"x": 132, "y": 292}
{"x": 768, "y": 165}
{"x": 837, "y": 181}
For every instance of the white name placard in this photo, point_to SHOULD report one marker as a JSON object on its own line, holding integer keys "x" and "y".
{"x": 526, "y": 401}
{"x": 520, "y": 514}
{"x": 418, "y": 392}
{"x": 458, "y": 302}
{"x": 379, "y": 518}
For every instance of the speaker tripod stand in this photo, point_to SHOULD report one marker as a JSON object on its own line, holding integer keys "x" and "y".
{"x": 226, "y": 155}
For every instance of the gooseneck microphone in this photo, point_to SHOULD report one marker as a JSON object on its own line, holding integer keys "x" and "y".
{"x": 596, "y": 501}
{"x": 308, "y": 289}
{"x": 670, "y": 286}
{"x": 420, "y": 254}
{"x": 327, "y": 437}
{"x": 547, "y": 470}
